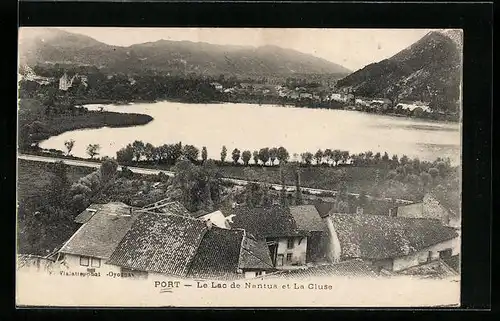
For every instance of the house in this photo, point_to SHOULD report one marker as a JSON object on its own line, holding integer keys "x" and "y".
{"x": 305, "y": 95}
{"x": 307, "y": 218}
{"x": 65, "y": 82}
{"x": 217, "y": 86}
{"x": 103, "y": 227}
{"x": 287, "y": 241}
{"x": 432, "y": 206}
{"x": 350, "y": 268}
{"x": 389, "y": 243}
{"x": 410, "y": 106}
{"x": 159, "y": 245}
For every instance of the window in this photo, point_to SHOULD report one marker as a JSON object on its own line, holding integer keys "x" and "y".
{"x": 95, "y": 262}
{"x": 84, "y": 260}
{"x": 280, "y": 260}
{"x": 445, "y": 254}
{"x": 258, "y": 273}
{"x": 289, "y": 257}
{"x": 289, "y": 244}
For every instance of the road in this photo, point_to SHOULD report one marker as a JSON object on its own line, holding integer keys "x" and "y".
{"x": 148, "y": 171}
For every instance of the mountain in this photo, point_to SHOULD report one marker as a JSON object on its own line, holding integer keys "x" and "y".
{"x": 428, "y": 70}
{"x": 58, "y": 46}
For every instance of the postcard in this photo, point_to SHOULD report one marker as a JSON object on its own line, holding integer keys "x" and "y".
{"x": 239, "y": 167}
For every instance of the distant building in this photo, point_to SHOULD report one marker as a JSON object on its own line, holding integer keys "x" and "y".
{"x": 217, "y": 86}
{"x": 413, "y": 106}
{"x": 65, "y": 82}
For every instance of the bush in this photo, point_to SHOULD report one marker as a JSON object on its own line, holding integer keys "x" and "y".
{"x": 126, "y": 172}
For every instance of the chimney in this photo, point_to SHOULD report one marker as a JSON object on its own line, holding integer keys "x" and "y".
{"x": 334, "y": 248}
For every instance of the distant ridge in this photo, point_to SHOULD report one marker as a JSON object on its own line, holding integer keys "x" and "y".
{"x": 427, "y": 70}
{"x": 51, "y": 45}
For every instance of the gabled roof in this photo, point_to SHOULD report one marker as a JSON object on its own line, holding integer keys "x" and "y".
{"x": 323, "y": 208}
{"x": 254, "y": 254}
{"x": 307, "y": 218}
{"x": 218, "y": 254}
{"x": 159, "y": 242}
{"x": 100, "y": 235}
{"x": 380, "y": 237}
{"x": 351, "y": 268}
{"x": 84, "y": 216}
{"x": 261, "y": 222}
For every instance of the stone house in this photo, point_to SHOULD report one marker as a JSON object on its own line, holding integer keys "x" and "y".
{"x": 431, "y": 207}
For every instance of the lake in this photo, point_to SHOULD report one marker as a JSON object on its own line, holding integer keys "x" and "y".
{"x": 251, "y": 127}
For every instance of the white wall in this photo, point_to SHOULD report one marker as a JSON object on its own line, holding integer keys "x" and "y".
{"x": 71, "y": 263}
{"x": 420, "y": 257}
{"x": 252, "y": 274}
{"x": 298, "y": 251}
{"x": 217, "y": 218}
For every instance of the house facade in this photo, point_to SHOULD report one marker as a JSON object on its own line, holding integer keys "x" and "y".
{"x": 389, "y": 243}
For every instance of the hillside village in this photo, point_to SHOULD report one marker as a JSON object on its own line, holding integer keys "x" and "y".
{"x": 241, "y": 242}
{"x": 196, "y": 225}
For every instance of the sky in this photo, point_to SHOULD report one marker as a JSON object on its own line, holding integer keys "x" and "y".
{"x": 351, "y": 48}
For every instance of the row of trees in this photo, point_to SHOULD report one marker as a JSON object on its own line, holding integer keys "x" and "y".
{"x": 169, "y": 153}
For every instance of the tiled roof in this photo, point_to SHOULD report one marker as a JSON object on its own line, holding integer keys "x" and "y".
{"x": 449, "y": 200}
{"x": 323, "y": 208}
{"x": 307, "y": 218}
{"x": 84, "y": 216}
{"x": 159, "y": 242}
{"x": 255, "y": 254}
{"x": 102, "y": 232}
{"x": 433, "y": 269}
{"x": 379, "y": 236}
{"x": 218, "y": 254}
{"x": 351, "y": 268}
{"x": 273, "y": 221}
{"x": 453, "y": 262}
{"x": 168, "y": 207}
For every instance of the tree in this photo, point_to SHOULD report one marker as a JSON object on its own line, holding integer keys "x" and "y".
{"x": 246, "y": 156}
{"x": 337, "y": 156}
{"x": 283, "y": 196}
{"x": 236, "y": 155}
{"x": 283, "y": 155}
{"x": 191, "y": 152}
{"x": 319, "y": 156}
{"x": 376, "y": 158}
{"x": 298, "y": 191}
{"x": 59, "y": 184}
{"x": 395, "y": 161}
{"x": 362, "y": 199}
{"x": 264, "y": 155}
{"x": 255, "y": 156}
{"x": 385, "y": 158}
{"x": 345, "y": 156}
{"x": 394, "y": 94}
{"x": 125, "y": 155}
{"x": 223, "y": 154}
{"x": 329, "y": 155}
{"x": 69, "y": 145}
{"x": 138, "y": 147}
{"x": 404, "y": 160}
{"x": 108, "y": 170}
{"x": 149, "y": 151}
{"x": 204, "y": 154}
{"x": 93, "y": 150}
{"x": 434, "y": 172}
{"x": 273, "y": 153}
{"x": 307, "y": 158}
